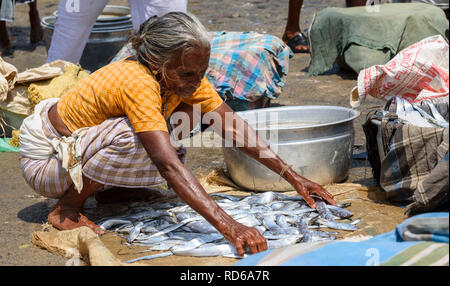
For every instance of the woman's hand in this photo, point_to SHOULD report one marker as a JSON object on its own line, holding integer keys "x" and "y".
{"x": 164, "y": 156}
{"x": 306, "y": 188}
{"x": 241, "y": 236}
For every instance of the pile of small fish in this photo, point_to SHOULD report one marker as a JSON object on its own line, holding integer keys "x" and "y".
{"x": 179, "y": 230}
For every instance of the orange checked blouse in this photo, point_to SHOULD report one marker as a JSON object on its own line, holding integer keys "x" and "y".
{"x": 127, "y": 88}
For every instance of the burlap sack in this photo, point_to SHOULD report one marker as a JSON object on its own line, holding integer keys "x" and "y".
{"x": 8, "y": 77}
{"x": 80, "y": 243}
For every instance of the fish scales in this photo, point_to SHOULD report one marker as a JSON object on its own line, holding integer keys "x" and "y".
{"x": 323, "y": 211}
{"x": 283, "y": 220}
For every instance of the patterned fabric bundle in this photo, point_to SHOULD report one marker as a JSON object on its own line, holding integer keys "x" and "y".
{"x": 246, "y": 66}
{"x": 410, "y": 163}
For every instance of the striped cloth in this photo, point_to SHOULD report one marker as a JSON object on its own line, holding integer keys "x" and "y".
{"x": 422, "y": 240}
{"x": 243, "y": 66}
{"x": 111, "y": 155}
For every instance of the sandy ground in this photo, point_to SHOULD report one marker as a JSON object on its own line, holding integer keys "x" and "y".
{"x": 24, "y": 212}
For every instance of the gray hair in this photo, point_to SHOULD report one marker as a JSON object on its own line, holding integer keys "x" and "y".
{"x": 159, "y": 37}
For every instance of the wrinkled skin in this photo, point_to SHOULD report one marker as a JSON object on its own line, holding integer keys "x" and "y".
{"x": 183, "y": 76}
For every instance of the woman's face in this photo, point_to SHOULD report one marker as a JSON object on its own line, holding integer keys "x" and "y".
{"x": 184, "y": 72}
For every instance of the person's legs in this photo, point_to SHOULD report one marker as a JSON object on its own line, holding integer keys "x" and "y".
{"x": 292, "y": 34}
{"x": 36, "y": 32}
{"x": 355, "y": 3}
{"x": 72, "y": 29}
{"x": 5, "y": 43}
{"x": 66, "y": 214}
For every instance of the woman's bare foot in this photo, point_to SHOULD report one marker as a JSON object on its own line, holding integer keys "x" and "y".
{"x": 66, "y": 215}
{"x": 119, "y": 195}
{"x": 67, "y": 218}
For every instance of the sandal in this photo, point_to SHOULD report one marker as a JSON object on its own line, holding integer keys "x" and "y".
{"x": 299, "y": 40}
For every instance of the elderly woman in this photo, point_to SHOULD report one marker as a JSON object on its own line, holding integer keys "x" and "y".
{"x": 113, "y": 129}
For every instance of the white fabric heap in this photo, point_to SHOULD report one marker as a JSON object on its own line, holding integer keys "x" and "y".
{"x": 35, "y": 145}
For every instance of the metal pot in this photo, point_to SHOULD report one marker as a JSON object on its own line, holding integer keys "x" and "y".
{"x": 108, "y": 36}
{"x": 316, "y": 140}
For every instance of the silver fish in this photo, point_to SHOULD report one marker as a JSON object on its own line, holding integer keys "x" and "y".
{"x": 284, "y": 197}
{"x": 263, "y": 199}
{"x": 164, "y": 254}
{"x": 269, "y": 222}
{"x": 184, "y": 215}
{"x": 324, "y": 234}
{"x": 281, "y": 221}
{"x": 207, "y": 250}
{"x": 162, "y": 205}
{"x": 337, "y": 225}
{"x": 196, "y": 242}
{"x": 276, "y": 205}
{"x": 323, "y": 211}
{"x": 319, "y": 238}
{"x": 276, "y": 236}
{"x": 340, "y": 212}
{"x": 356, "y": 221}
{"x": 290, "y": 206}
{"x": 229, "y": 197}
{"x": 135, "y": 232}
{"x": 156, "y": 239}
{"x": 272, "y": 244}
{"x": 247, "y": 220}
{"x": 175, "y": 226}
{"x": 107, "y": 224}
{"x": 260, "y": 228}
{"x": 303, "y": 228}
{"x": 149, "y": 214}
{"x": 202, "y": 226}
{"x": 165, "y": 245}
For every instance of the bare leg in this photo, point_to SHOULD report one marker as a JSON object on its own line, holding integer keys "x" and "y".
{"x": 293, "y": 24}
{"x": 355, "y": 3}
{"x": 66, "y": 214}
{"x": 36, "y": 32}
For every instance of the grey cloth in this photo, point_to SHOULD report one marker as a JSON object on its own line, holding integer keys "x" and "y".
{"x": 364, "y": 38}
{"x": 424, "y": 228}
{"x": 7, "y": 10}
{"x": 414, "y": 168}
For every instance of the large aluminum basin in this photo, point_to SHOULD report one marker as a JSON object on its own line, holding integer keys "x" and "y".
{"x": 316, "y": 140}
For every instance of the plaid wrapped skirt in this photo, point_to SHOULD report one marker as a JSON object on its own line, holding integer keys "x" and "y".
{"x": 112, "y": 154}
